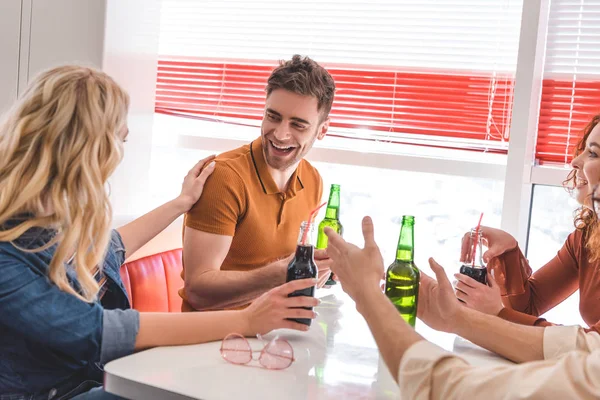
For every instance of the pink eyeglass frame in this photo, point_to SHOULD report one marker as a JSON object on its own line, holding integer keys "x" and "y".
{"x": 262, "y": 352}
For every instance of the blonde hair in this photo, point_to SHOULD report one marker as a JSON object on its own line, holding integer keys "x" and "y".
{"x": 58, "y": 145}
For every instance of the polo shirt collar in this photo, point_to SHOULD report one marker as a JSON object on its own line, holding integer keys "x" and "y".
{"x": 264, "y": 176}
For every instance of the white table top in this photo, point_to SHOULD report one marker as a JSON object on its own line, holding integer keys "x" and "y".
{"x": 336, "y": 359}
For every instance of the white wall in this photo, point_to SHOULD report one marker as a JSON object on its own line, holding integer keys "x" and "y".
{"x": 131, "y": 57}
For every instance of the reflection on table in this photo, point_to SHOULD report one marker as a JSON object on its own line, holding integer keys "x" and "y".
{"x": 336, "y": 359}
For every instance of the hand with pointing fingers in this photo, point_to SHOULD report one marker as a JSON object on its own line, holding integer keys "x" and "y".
{"x": 358, "y": 270}
{"x": 438, "y": 306}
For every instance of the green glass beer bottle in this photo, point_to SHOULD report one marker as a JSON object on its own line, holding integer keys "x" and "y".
{"x": 402, "y": 277}
{"x": 332, "y": 220}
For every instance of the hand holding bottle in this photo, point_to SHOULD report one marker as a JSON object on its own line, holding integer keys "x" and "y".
{"x": 496, "y": 240}
{"x": 275, "y": 309}
{"x": 483, "y": 298}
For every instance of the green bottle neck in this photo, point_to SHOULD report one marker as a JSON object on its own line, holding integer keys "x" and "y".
{"x": 406, "y": 246}
{"x": 332, "y": 213}
{"x": 333, "y": 205}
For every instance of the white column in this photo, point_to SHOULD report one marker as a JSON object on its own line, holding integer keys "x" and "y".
{"x": 528, "y": 88}
{"x": 10, "y": 32}
{"x": 59, "y": 32}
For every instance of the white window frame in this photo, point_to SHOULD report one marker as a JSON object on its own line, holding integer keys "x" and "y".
{"x": 520, "y": 168}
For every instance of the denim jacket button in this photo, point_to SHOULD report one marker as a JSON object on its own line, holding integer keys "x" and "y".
{"x": 52, "y": 393}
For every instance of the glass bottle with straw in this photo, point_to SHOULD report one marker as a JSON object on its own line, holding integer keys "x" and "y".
{"x": 303, "y": 265}
{"x": 474, "y": 266}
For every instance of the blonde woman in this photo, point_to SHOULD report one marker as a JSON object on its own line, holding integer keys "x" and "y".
{"x": 63, "y": 308}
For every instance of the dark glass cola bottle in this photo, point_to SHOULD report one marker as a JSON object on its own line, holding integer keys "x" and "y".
{"x": 303, "y": 265}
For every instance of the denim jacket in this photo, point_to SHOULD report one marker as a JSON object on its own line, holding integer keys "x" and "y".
{"x": 53, "y": 345}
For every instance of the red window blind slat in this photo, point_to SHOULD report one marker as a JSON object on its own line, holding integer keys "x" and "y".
{"x": 440, "y": 104}
{"x": 571, "y": 84}
{"x": 561, "y": 124}
{"x": 566, "y": 108}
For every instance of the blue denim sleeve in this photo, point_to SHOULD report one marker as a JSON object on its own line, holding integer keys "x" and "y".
{"x": 119, "y": 327}
{"x": 119, "y": 331}
{"x": 116, "y": 252}
{"x": 32, "y": 306}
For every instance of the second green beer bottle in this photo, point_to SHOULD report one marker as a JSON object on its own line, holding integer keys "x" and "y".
{"x": 402, "y": 277}
{"x": 332, "y": 220}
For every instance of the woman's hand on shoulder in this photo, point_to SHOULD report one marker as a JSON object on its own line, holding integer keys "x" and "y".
{"x": 193, "y": 183}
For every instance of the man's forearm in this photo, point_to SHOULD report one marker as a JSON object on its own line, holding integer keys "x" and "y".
{"x": 216, "y": 289}
{"x": 518, "y": 343}
{"x": 392, "y": 334}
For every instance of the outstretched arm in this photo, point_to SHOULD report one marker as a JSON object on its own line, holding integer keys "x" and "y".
{"x": 360, "y": 271}
{"x": 138, "y": 232}
{"x": 441, "y": 310}
{"x": 270, "y": 311}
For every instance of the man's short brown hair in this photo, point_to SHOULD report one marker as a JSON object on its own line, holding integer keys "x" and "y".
{"x": 302, "y": 75}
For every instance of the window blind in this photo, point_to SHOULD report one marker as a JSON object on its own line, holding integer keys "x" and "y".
{"x": 431, "y": 72}
{"x": 571, "y": 86}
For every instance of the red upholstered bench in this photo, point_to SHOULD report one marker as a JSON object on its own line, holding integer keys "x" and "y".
{"x": 152, "y": 282}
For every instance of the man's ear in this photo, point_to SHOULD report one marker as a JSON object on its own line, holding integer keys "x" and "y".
{"x": 323, "y": 129}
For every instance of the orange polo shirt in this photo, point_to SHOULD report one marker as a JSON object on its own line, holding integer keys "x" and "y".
{"x": 241, "y": 199}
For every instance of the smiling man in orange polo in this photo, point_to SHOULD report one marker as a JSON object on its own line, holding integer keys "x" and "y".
{"x": 240, "y": 236}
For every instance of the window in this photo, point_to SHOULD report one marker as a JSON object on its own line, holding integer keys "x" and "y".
{"x": 570, "y": 97}
{"x": 432, "y": 73}
{"x": 571, "y": 87}
{"x": 445, "y": 206}
{"x": 435, "y": 74}
{"x": 551, "y": 222}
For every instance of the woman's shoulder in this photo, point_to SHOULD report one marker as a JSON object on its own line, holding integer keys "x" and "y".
{"x": 115, "y": 254}
{"x": 576, "y": 239}
{"x": 12, "y": 254}
{"x": 575, "y": 246}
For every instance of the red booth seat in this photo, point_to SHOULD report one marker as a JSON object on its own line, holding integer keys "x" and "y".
{"x": 152, "y": 282}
